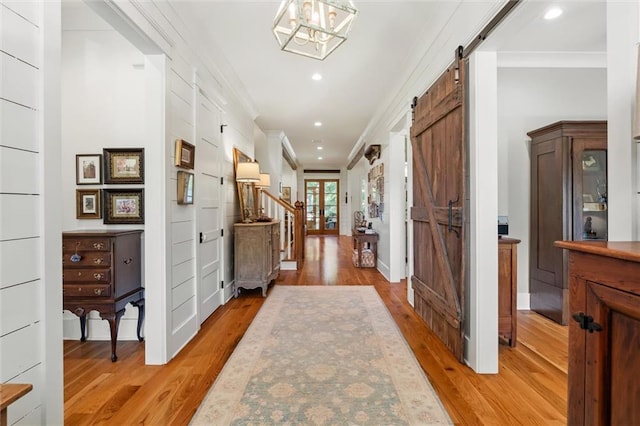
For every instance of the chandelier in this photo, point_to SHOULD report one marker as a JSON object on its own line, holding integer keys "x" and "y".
{"x": 313, "y": 28}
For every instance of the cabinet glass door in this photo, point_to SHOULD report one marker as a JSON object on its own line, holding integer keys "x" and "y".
{"x": 593, "y": 195}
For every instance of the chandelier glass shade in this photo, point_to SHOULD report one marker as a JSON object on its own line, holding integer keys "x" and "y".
{"x": 313, "y": 28}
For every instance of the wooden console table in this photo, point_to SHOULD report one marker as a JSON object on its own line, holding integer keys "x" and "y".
{"x": 102, "y": 272}
{"x": 359, "y": 241}
{"x": 10, "y": 393}
{"x": 256, "y": 255}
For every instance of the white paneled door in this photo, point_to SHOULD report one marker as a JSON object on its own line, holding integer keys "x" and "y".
{"x": 207, "y": 192}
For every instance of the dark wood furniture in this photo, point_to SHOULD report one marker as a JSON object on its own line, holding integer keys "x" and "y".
{"x": 102, "y": 271}
{"x": 257, "y": 255}
{"x": 507, "y": 290}
{"x": 363, "y": 240}
{"x": 604, "y": 333}
{"x": 564, "y": 185}
{"x": 10, "y": 393}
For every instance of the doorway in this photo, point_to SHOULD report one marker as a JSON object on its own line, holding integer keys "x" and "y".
{"x": 323, "y": 209}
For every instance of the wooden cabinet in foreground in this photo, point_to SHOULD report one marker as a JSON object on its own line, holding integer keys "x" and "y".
{"x": 604, "y": 333}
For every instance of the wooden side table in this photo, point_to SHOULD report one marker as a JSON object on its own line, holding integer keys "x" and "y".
{"x": 362, "y": 238}
{"x": 10, "y": 393}
{"x": 507, "y": 290}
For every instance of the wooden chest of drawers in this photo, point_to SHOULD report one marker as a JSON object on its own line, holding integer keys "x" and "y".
{"x": 102, "y": 271}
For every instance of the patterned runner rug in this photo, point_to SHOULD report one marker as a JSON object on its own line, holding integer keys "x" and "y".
{"x": 317, "y": 355}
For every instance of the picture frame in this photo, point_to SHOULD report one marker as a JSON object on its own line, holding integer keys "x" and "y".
{"x": 88, "y": 169}
{"x": 123, "y": 206}
{"x": 185, "y": 187}
{"x": 88, "y": 204}
{"x": 185, "y": 154}
{"x": 123, "y": 165}
{"x": 286, "y": 194}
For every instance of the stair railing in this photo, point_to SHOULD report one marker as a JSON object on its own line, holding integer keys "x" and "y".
{"x": 291, "y": 219}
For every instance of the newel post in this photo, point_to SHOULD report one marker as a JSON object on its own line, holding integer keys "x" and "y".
{"x": 300, "y": 230}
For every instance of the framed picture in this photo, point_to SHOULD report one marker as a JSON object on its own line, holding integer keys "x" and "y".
{"x": 123, "y": 165}
{"x": 286, "y": 194}
{"x": 185, "y": 187}
{"x": 123, "y": 206}
{"x": 185, "y": 154}
{"x": 88, "y": 169}
{"x": 88, "y": 204}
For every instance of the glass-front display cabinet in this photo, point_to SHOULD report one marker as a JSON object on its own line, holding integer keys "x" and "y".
{"x": 594, "y": 195}
{"x": 568, "y": 202}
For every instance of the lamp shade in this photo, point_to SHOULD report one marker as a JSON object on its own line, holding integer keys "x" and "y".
{"x": 248, "y": 172}
{"x": 265, "y": 180}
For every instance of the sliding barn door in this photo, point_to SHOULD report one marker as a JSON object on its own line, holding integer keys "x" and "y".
{"x": 439, "y": 165}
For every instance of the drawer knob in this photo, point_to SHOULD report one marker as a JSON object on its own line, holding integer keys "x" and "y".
{"x": 75, "y": 257}
{"x": 99, "y": 246}
{"x": 98, "y": 261}
{"x": 98, "y": 276}
{"x": 98, "y": 291}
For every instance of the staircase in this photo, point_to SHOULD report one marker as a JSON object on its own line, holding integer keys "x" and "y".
{"x": 292, "y": 232}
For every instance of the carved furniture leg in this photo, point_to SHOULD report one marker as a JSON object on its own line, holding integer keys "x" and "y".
{"x": 82, "y": 314}
{"x": 83, "y": 328}
{"x": 140, "y": 305}
{"x": 114, "y": 322}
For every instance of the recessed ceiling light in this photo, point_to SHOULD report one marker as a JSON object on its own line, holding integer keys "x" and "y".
{"x": 319, "y": 158}
{"x": 317, "y": 76}
{"x": 553, "y": 13}
{"x": 317, "y": 124}
{"x": 319, "y": 147}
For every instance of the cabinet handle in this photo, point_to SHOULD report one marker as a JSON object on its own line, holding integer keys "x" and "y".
{"x": 128, "y": 261}
{"x": 98, "y": 276}
{"x": 98, "y": 291}
{"x": 98, "y": 246}
{"x": 98, "y": 260}
{"x": 586, "y": 322}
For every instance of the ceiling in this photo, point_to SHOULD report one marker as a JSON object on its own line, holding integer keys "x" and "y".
{"x": 364, "y": 76}
{"x": 361, "y": 76}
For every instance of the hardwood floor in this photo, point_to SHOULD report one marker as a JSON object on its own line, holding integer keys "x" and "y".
{"x": 530, "y": 388}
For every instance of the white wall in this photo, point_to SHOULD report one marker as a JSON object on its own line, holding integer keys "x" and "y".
{"x": 30, "y": 270}
{"x": 529, "y": 98}
{"x": 623, "y": 198}
{"x": 188, "y": 55}
{"x": 103, "y": 106}
{"x": 268, "y": 148}
{"x": 481, "y": 295}
{"x": 289, "y": 179}
{"x": 391, "y": 224}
